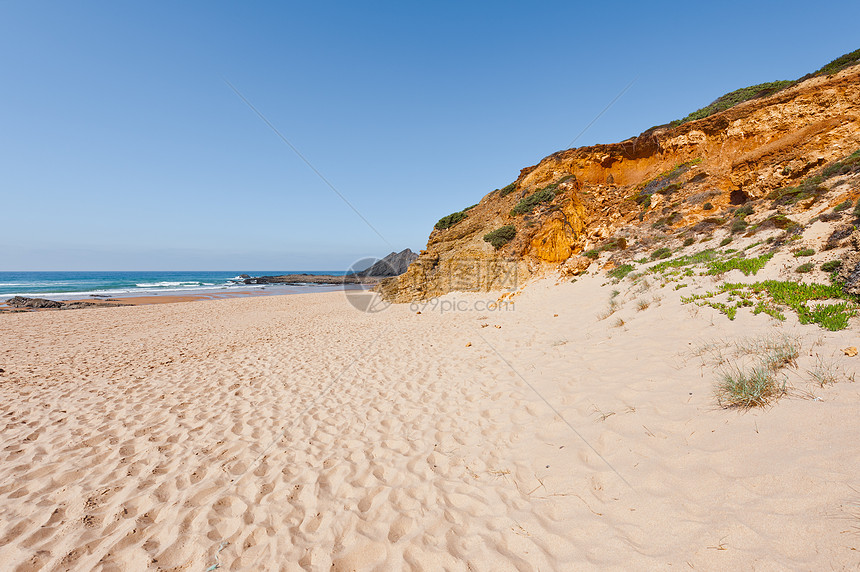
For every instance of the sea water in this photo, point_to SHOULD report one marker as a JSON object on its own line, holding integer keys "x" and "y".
{"x": 68, "y": 285}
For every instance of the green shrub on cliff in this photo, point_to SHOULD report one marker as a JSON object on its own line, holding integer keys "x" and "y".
{"x": 849, "y": 164}
{"x": 527, "y": 204}
{"x": 505, "y": 191}
{"x": 450, "y": 220}
{"x": 501, "y": 236}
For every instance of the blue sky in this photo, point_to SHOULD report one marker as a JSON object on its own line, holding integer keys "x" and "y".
{"x": 123, "y": 148}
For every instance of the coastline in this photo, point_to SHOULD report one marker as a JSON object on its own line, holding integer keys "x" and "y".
{"x": 131, "y": 299}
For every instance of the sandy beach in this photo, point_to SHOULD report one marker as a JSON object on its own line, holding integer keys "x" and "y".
{"x": 297, "y": 433}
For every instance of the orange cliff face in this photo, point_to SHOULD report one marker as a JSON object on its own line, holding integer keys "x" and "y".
{"x": 592, "y": 193}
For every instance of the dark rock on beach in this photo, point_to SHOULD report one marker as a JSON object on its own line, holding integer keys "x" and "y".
{"x": 22, "y": 303}
{"x": 33, "y": 303}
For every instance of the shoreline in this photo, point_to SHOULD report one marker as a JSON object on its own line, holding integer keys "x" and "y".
{"x": 132, "y": 299}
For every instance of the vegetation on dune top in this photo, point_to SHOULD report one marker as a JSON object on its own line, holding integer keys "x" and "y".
{"x": 837, "y": 65}
{"x": 738, "y": 96}
{"x": 733, "y": 98}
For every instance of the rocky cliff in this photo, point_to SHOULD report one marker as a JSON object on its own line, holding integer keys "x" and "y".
{"x": 668, "y": 181}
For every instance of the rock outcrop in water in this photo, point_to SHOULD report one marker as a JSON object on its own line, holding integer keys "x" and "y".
{"x": 669, "y": 181}
{"x": 394, "y": 264}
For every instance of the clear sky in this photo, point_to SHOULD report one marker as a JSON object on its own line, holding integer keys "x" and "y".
{"x": 122, "y": 147}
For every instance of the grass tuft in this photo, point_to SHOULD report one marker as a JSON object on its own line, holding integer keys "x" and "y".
{"x": 755, "y": 387}
{"x": 661, "y": 253}
{"x": 823, "y": 372}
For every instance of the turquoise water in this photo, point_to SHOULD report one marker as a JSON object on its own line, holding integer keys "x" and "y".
{"x": 61, "y": 285}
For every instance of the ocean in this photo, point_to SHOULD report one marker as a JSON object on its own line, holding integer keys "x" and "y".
{"x": 69, "y": 285}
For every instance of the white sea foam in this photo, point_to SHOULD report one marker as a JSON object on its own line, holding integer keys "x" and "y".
{"x": 168, "y": 284}
{"x": 185, "y": 291}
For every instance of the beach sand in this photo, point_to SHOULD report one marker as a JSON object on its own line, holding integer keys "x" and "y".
{"x": 297, "y": 433}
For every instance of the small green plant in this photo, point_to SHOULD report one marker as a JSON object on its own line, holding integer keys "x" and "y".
{"x": 782, "y": 222}
{"x": 501, "y": 236}
{"x": 689, "y": 241}
{"x": 527, "y": 204}
{"x": 620, "y": 272}
{"x": 831, "y": 317}
{"x": 450, "y": 220}
{"x": 725, "y": 241}
{"x": 661, "y": 253}
{"x": 642, "y": 305}
{"x": 842, "y": 206}
{"x": 707, "y": 207}
{"x": 739, "y": 225}
{"x": 592, "y": 254}
{"x": 804, "y": 268}
{"x": 831, "y": 266}
{"x": 667, "y": 220}
{"x": 781, "y": 352}
{"x": 809, "y": 188}
{"x": 805, "y": 252}
{"x": 744, "y": 210}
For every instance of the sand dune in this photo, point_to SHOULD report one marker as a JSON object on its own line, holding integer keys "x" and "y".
{"x": 296, "y": 433}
